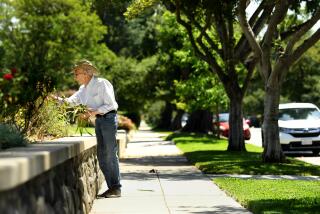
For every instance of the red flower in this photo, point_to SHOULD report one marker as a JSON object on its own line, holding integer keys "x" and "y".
{"x": 13, "y": 71}
{"x": 8, "y": 76}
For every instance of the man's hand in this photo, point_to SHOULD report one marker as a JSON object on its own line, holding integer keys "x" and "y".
{"x": 89, "y": 113}
{"x": 54, "y": 97}
{"x": 93, "y": 112}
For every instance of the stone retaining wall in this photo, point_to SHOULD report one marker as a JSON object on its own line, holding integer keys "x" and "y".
{"x": 67, "y": 188}
{"x": 60, "y": 176}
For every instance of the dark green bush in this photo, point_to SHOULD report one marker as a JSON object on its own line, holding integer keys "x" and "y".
{"x": 11, "y": 137}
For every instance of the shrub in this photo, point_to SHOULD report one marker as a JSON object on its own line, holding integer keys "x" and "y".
{"x": 11, "y": 137}
{"x": 10, "y": 80}
{"x": 152, "y": 114}
{"x": 42, "y": 44}
{"x": 135, "y": 117}
{"x": 50, "y": 121}
{"x": 125, "y": 123}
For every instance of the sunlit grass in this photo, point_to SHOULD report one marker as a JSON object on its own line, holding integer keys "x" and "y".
{"x": 259, "y": 196}
{"x": 73, "y": 130}
{"x": 211, "y": 156}
{"x": 274, "y": 196}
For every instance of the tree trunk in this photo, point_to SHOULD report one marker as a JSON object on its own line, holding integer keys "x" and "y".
{"x": 176, "y": 123}
{"x": 216, "y": 125}
{"x": 200, "y": 121}
{"x": 166, "y": 115}
{"x": 272, "y": 148}
{"x": 236, "y": 139}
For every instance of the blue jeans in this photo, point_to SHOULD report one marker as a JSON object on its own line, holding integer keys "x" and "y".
{"x": 107, "y": 149}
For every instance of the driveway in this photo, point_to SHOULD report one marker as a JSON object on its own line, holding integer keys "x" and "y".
{"x": 303, "y": 155}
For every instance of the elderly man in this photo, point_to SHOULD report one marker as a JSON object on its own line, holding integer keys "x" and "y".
{"x": 97, "y": 95}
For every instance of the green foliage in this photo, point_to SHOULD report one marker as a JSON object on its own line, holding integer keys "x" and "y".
{"x": 185, "y": 78}
{"x": 253, "y": 102}
{"x": 201, "y": 91}
{"x": 129, "y": 38}
{"x": 51, "y": 121}
{"x": 152, "y": 112}
{"x": 10, "y": 137}
{"x": 273, "y": 196}
{"x": 128, "y": 77}
{"x": 79, "y": 115}
{"x": 302, "y": 84}
{"x": 10, "y": 80}
{"x": 42, "y": 39}
{"x": 211, "y": 156}
{"x": 137, "y": 6}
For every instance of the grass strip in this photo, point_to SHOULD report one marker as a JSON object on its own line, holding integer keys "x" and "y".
{"x": 273, "y": 196}
{"x": 211, "y": 156}
{"x": 74, "y": 130}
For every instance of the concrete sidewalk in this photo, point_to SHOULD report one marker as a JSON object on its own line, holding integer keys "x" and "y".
{"x": 156, "y": 178}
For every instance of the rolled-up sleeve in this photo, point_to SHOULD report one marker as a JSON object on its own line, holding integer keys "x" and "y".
{"x": 74, "y": 99}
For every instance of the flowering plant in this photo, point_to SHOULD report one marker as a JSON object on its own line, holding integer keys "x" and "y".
{"x": 125, "y": 123}
{"x": 9, "y": 87}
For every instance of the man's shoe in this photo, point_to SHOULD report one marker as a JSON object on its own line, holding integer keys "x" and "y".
{"x": 111, "y": 193}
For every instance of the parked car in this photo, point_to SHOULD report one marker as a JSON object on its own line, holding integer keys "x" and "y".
{"x": 253, "y": 121}
{"x": 299, "y": 127}
{"x": 224, "y": 126}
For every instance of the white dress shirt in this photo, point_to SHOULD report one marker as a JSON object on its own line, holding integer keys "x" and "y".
{"x": 97, "y": 95}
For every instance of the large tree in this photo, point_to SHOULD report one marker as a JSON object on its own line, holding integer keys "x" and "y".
{"x": 211, "y": 29}
{"x": 128, "y": 38}
{"x": 302, "y": 83}
{"x": 276, "y": 50}
{"x": 42, "y": 39}
{"x": 177, "y": 83}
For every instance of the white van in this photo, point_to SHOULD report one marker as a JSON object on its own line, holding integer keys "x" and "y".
{"x": 299, "y": 127}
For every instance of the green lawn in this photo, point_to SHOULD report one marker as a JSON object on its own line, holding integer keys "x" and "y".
{"x": 259, "y": 196}
{"x": 274, "y": 196}
{"x": 73, "y": 130}
{"x": 210, "y": 156}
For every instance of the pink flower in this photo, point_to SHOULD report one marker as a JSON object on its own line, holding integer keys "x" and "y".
{"x": 8, "y": 76}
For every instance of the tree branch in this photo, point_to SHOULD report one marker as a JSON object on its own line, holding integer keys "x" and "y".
{"x": 189, "y": 31}
{"x": 247, "y": 30}
{"x": 250, "y": 68}
{"x": 242, "y": 49}
{"x": 302, "y": 30}
{"x": 203, "y": 30}
{"x": 256, "y": 13}
{"x": 230, "y": 49}
{"x": 213, "y": 63}
{"x": 308, "y": 43}
{"x": 278, "y": 15}
{"x": 221, "y": 29}
{"x": 291, "y": 31}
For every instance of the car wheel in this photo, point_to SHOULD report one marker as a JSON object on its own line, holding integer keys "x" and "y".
{"x": 315, "y": 152}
